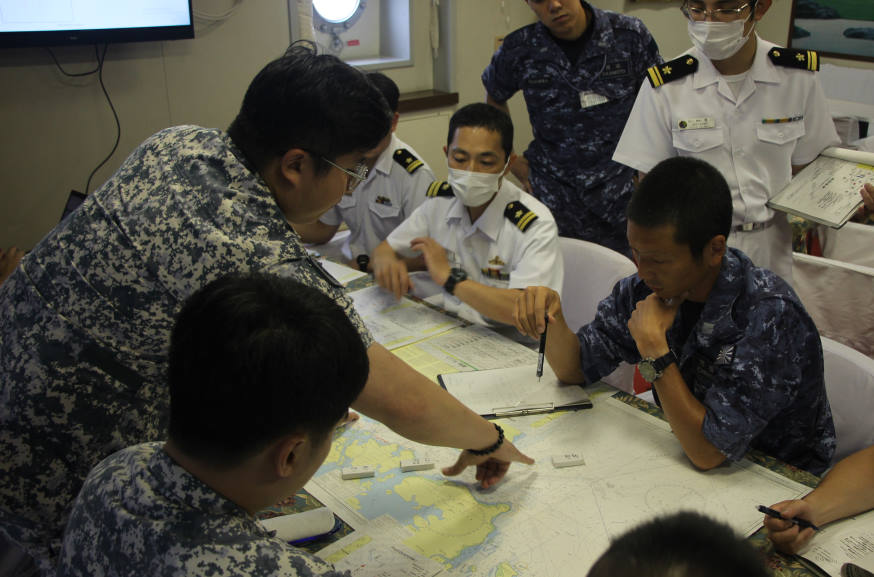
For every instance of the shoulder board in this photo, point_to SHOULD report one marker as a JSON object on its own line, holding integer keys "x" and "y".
{"x": 406, "y": 159}
{"x": 673, "y": 70}
{"x": 792, "y": 58}
{"x": 439, "y": 188}
{"x": 519, "y": 215}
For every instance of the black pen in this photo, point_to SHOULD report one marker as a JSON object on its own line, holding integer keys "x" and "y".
{"x": 542, "y": 348}
{"x": 803, "y": 523}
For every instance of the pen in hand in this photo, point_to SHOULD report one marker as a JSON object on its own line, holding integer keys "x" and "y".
{"x": 542, "y": 348}
{"x": 803, "y": 523}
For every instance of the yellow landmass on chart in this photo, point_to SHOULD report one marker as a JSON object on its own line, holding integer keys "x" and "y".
{"x": 348, "y": 549}
{"x": 350, "y": 451}
{"x": 505, "y": 570}
{"x": 464, "y": 522}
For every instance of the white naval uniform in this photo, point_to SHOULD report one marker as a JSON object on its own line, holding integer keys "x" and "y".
{"x": 754, "y": 156}
{"x": 380, "y": 203}
{"x": 493, "y": 250}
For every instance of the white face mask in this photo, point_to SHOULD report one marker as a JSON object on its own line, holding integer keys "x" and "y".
{"x": 718, "y": 40}
{"x": 475, "y": 188}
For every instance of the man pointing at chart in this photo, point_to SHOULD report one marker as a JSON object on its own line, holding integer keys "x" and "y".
{"x": 735, "y": 360}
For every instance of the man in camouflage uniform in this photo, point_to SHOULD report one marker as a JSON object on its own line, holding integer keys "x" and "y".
{"x": 85, "y": 319}
{"x": 735, "y": 360}
{"x": 243, "y": 436}
{"x": 579, "y": 69}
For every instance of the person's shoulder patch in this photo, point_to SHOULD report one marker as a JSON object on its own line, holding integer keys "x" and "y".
{"x": 439, "y": 188}
{"x": 793, "y": 58}
{"x": 675, "y": 69}
{"x": 520, "y": 215}
{"x": 406, "y": 159}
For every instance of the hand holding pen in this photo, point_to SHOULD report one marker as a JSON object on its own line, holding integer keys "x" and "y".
{"x": 786, "y": 531}
{"x": 803, "y": 523}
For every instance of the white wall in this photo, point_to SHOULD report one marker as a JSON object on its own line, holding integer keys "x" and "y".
{"x": 55, "y": 130}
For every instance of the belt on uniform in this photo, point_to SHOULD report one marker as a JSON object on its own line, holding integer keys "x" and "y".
{"x": 751, "y": 226}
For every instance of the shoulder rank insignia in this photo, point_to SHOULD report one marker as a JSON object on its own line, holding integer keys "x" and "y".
{"x": 519, "y": 215}
{"x": 792, "y": 58}
{"x": 406, "y": 159}
{"x": 673, "y": 70}
{"x": 439, "y": 188}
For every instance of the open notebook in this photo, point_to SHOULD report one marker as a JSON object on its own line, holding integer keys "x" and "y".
{"x": 514, "y": 391}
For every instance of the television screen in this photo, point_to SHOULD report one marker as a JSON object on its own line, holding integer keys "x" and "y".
{"x": 52, "y": 22}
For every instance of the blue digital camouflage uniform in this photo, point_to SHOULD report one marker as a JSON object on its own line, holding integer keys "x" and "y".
{"x": 571, "y": 170}
{"x": 141, "y": 513}
{"x": 754, "y": 359}
{"x": 85, "y": 319}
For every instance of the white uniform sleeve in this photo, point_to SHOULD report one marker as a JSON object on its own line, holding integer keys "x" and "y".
{"x": 540, "y": 262}
{"x": 646, "y": 139}
{"x": 416, "y": 225}
{"x": 819, "y": 128}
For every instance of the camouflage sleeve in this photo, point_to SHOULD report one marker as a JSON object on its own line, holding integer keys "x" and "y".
{"x": 499, "y": 78}
{"x": 606, "y": 341}
{"x": 760, "y": 380}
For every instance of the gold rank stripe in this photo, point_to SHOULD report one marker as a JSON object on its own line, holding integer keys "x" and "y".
{"x": 526, "y": 220}
{"x": 655, "y": 76}
{"x": 812, "y": 60}
{"x": 414, "y": 165}
{"x": 434, "y": 188}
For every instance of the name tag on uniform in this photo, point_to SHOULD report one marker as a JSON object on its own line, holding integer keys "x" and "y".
{"x": 617, "y": 68}
{"x": 696, "y": 123}
{"x": 590, "y": 99}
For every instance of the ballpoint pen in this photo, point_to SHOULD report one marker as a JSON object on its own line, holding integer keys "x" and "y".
{"x": 542, "y": 348}
{"x": 803, "y": 523}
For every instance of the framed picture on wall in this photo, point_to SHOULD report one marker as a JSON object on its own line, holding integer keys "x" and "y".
{"x": 842, "y": 28}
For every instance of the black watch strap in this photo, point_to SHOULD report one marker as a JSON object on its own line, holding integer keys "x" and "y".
{"x": 456, "y": 275}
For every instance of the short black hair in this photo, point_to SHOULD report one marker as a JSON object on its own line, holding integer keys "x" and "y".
{"x": 387, "y": 88}
{"x": 254, "y": 357}
{"x": 480, "y": 114}
{"x": 310, "y": 101}
{"x": 684, "y": 544}
{"x": 687, "y": 193}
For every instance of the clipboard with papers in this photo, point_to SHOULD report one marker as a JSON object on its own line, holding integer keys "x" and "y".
{"x": 514, "y": 391}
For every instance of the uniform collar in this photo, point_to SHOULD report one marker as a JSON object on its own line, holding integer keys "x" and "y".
{"x": 716, "y": 323}
{"x": 176, "y": 484}
{"x": 491, "y": 220}
{"x": 762, "y": 70}
{"x": 385, "y": 160}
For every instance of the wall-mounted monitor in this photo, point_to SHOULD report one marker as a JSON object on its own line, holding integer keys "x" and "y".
{"x": 55, "y": 22}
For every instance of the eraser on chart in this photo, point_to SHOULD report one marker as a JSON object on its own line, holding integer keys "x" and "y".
{"x": 567, "y": 460}
{"x": 357, "y": 472}
{"x": 408, "y": 465}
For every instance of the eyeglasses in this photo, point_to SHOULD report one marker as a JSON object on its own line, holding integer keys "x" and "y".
{"x": 355, "y": 176}
{"x": 718, "y": 14}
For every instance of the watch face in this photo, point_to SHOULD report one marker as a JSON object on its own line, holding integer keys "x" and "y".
{"x": 647, "y": 371}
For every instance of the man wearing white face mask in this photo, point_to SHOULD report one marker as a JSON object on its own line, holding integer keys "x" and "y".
{"x": 481, "y": 236}
{"x": 752, "y": 109}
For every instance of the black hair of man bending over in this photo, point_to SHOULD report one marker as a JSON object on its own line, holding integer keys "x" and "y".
{"x": 310, "y": 101}
{"x": 681, "y": 545}
{"x": 482, "y": 115}
{"x": 687, "y": 193}
{"x": 255, "y": 357}
{"x": 387, "y": 87}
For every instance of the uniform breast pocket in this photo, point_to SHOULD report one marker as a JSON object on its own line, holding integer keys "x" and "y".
{"x": 385, "y": 211}
{"x": 699, "y": 140}
{"x": 780, "y": 134}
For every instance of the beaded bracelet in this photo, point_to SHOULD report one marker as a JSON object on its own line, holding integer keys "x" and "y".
{"x": 492, "y": 448}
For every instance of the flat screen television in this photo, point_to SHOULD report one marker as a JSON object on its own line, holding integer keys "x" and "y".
{"x": 56, "y": 22}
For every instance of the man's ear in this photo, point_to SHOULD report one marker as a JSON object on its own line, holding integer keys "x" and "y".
{"x": 512, "y": 159}
{"x": 286, "y": 454}
{"x": 445, "y": 151}
{"x": 762, "y": 6}
{"x": 291, "y": 166}
{"x": 394, "y": 121}
{"x": 716, "y": 250}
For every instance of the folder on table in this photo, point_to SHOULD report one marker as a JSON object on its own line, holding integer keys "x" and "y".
{"x": 514, "y": 391}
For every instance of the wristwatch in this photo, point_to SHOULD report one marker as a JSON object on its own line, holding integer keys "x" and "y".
{"x": 456, "y": 275}
{"x": 652, "y": 369}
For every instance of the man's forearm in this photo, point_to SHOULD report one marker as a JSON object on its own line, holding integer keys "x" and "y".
{"x": 563, "y": 352}
{"x": 685, "y": 413}
{"x": 494, "y": 303}
{"x": 848, "y": 489}
{"x": 413, "y": 406}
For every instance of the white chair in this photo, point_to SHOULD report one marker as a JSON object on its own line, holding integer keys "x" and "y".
{"x": 590, "y": 271}
{"x": 849, "y": 384}
{"x": 852, "y": 243}
{"x": 839, "y": 297}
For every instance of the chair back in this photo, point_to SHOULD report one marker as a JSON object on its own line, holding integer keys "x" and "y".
{"x": 839, "y": 296}
{"x": 590, "y": 271}
{"x": 849, "y": 384}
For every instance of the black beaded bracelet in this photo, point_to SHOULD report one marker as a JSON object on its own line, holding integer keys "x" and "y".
{"x": 491, "y": 448}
